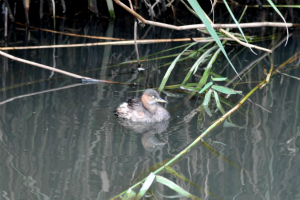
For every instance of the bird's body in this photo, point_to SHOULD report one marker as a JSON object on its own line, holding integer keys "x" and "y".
{"x": 144, "y": 109}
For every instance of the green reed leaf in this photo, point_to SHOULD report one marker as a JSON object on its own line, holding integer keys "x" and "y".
{"x": 148, "y": 182}
{"x": 200, "y": 60}
{"x": 218, "y": 79}
{"x": 130, "y": 195}
{"x": 207, "y": 70}
{"x": 174, "y": 187}
{"x": 207, "y": 97}
{"x": 206, "y": 87}
{"x": 279, "y": 13}
{"x": 219, "y": 105}
{"x": 171, "y": 67}
{"x": 195, "y": 5}
{"x": 225, "y": 90}
{"x": 236, "y": 22}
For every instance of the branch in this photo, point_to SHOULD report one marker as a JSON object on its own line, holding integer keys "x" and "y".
{"x": 128, "y": 42}
{"x": 216, "y": 26}
{"x": 244, "y": 43}
{"x": 83, "y": 78}
{"x": 216, "y": 123}
{"x": 70, "y": 34}
{"x": 202, "y": 26}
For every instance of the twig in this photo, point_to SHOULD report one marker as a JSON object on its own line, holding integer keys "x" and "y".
{"x": 11, "y": 16}
{"x": 26, "y": 9}
{"x": 202, "y": 26}
{"x": 239, "y": 41}
{"x": 135, "y": 43}
{"x": 197, "y": 26}
{"x": 129, "y": 42}
{"x": 214, "y": 125}
{"x": 263, "y": 6}
{"x": 295, "y": 77}
{"x": 135, "y": 37}
{"x": 47, "y": 67}
{"x": 83, "y": 78}
{"x": 41, "y": 92}
{"x": 255, "y": 61}
{"x": 244, "y": 43}
{"x": 71, "y": 34}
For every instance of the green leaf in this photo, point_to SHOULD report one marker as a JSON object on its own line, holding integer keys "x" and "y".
{"x": 130, "y": 195}
{"x": 207, "y": 97}
{"x": 181, "y": 177}
{"x": 225, "y": 90}
{"x": 171, "y": 67}
{"x": 174, "y": 186}
{"x": 218, "y": 79}
{"x": 206, "y": 87}
{"x": 202, "y": 59}
{"x": 219, "y": 106}
{"x": 228, "y": 124}
{"x": 207, "y": 110}
{"x": 192, "y": 89}
{"x": 197, "y": 63}
{"x": 148, "y": 182}
{"x": 279, "y": 13}
{"x": 236, "y": 22}
{"x": 210, "y": 29}
{"x": 207, "y": 70}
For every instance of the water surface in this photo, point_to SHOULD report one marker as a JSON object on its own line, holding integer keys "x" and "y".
{"x": 59, "y": 138}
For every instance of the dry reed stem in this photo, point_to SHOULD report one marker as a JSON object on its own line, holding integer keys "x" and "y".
{"x": 83, "y": 78}
{"x": 11, "y": 15}
{"x": 239, "y": 41}
{"x": 202, "y": 26}
{"x": 129, "y": 42}
{"x": 72, "y": 34}
{"x": 216, "y": 123}
{"x": 41, "y": 92}
{"x": 135, "y": 37}
{"x": 46, "y": 67}
{"x": 244, "y": 43}
{"x": 196, "y": 26}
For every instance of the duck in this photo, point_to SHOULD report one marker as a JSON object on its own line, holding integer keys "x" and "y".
{"x": 144, "y": 109}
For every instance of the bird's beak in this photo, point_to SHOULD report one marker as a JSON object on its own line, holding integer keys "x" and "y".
{"x": 160, "y": 100}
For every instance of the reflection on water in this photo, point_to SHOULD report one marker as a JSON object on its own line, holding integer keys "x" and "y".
{"x": 148, "y": 130}
{"x": 66, "y": 143}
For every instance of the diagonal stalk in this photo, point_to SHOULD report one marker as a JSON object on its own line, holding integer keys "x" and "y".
{"x": 216, "y": 123}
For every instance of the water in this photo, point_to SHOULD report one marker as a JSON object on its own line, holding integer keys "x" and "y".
{"x": 59, "y": 138}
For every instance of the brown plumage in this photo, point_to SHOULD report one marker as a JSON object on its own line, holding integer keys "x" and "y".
{"x": 145, "y": 109}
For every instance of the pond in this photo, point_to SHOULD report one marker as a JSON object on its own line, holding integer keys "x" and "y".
{"x": 60, "y": 139}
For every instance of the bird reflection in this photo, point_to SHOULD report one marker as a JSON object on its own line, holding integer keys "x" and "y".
{"x": 149, "y": 141}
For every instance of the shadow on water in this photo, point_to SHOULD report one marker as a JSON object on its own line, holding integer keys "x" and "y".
{"x": 67, "y": 143}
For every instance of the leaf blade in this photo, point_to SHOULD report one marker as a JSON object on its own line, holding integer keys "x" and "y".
{"x": 197, "y": 8}
{"x": 174, "y": 187}
{"x": 206, "y": 87}
{"x": 171, "y": 67}
{"x": 219, "y": 105}
{"x": 207, "y": 97}
{"x": 148, "y": 182}
{"x": 225, "y": 90}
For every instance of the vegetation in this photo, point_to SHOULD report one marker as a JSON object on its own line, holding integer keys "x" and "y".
{"x": 210, "y": 86}
{"x": 208, "y": 55}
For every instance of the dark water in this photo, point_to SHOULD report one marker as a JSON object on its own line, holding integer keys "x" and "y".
{"x": 59, "y": 138}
